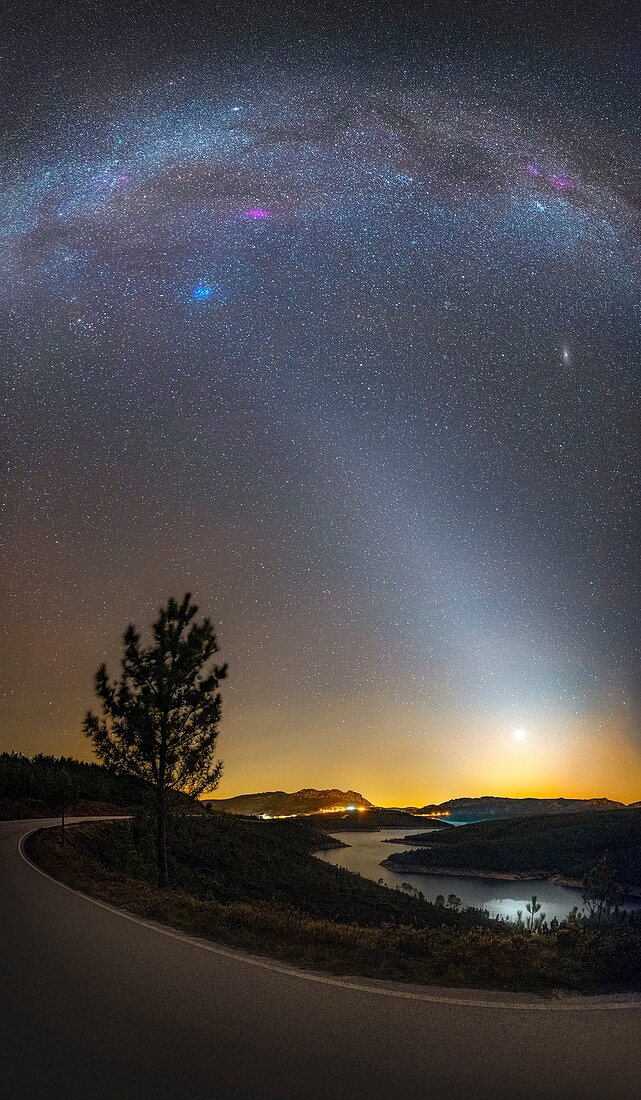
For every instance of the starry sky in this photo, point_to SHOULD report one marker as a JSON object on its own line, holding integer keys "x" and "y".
{"x": 332, "y": 319}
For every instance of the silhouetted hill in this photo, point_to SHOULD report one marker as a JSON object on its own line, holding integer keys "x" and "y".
{"x": 488, "y": 806}
{"x": 280, "y": 803}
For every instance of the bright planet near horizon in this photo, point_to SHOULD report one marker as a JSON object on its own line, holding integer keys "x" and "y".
{"x": 520, "y": 735}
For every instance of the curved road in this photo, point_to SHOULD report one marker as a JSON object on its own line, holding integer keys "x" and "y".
{"x": 95, "y": 1005}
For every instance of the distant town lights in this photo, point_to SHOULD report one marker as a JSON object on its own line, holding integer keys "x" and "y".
{"x": 325, "y": 810}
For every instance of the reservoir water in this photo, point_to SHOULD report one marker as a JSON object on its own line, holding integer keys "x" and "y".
{"x": 496, "y": 895}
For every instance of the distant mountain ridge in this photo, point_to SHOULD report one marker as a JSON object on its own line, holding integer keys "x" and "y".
{"x": 309, "y": 800}
{"x": 491, "y": 806}
{"x": 306, "y": 801}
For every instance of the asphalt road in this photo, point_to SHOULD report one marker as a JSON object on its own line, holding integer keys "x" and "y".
{"x": 95, "y": 1005}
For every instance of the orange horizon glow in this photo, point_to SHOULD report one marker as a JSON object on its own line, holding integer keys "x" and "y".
{"x": 619, "y": 787}
{"x": 406, "y": 754}
{"x": 501, "y": 768}
{"x": 417, "y": 759}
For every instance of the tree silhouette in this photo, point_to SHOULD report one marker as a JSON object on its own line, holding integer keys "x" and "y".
{"x": 602, "y": 892}
{"x": 533, "y": 907}
{"x": 160, "y": 719}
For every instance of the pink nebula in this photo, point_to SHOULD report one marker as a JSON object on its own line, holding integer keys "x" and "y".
{"x": 558, "y": 181}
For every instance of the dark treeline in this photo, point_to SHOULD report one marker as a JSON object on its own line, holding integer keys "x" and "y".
{"x": 43, "y": 778}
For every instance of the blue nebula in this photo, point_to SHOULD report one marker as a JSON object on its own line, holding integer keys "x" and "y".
{"x": 202, "y": 292}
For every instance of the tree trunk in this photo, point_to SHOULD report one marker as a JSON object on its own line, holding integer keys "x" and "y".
{"x": 161, "y": 844}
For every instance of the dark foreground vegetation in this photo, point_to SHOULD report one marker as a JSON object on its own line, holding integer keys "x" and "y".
{"x": 256, "y": 885}
{"x": 40, "y": 785}
{"x": 565, "y": 845}
{"x": 229, "y": 859}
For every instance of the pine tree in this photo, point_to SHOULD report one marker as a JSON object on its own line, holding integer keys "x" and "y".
{"x": 602, "y": 891}
{"x": 533, "y": 907}
{"x": 160, "y": 719}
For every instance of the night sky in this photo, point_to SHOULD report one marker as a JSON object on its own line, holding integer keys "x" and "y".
{"x": 333, "y": 320}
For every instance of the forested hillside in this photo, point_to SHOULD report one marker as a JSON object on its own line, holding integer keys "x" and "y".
{"x": 554, "y": 844}
{"x": 37, "y": 785}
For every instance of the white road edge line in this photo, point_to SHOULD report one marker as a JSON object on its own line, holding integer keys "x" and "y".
{"x": 293, "y": 972}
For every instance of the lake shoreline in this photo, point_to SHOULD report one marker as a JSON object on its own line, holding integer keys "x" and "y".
{"x": 499, "y": 876}
{"x": 330, "y": 847}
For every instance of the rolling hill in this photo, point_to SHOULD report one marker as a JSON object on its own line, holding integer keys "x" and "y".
{"x": 489, "y": 806}
{"x": 281, "y": 803}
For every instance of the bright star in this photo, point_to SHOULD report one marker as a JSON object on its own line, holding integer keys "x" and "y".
{"x": 519, "y": 735}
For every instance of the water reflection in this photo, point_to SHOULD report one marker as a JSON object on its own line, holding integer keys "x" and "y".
{"x": 496, "y": 895}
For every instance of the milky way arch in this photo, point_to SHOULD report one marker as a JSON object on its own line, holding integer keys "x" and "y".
{"x": 396, "y": 329}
